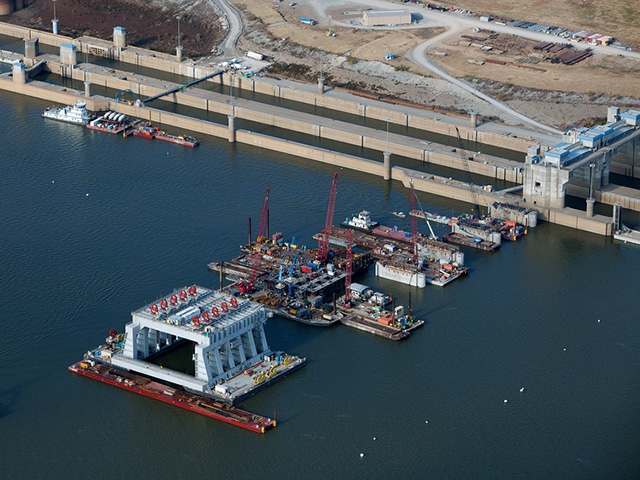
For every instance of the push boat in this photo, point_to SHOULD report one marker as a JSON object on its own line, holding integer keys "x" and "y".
{"x": 362, "y": 221}
{"x": 77, "y": 114}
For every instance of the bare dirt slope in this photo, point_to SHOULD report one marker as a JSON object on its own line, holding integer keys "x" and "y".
{"x": 148, "y": 24}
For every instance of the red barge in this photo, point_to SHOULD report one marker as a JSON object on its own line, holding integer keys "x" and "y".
{"x": 189, "y": 401}
{"x": 147, "y": 131}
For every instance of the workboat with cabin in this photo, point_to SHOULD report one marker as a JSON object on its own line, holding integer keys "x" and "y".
{"x": 77, "y": 114}
{"x": 361, "y": 221}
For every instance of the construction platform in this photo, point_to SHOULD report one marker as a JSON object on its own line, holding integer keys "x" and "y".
{"x": 628, "y": 235}
{"x": 231, "y": 358}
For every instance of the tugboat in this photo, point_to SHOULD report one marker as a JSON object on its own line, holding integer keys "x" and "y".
{"x": 77, "y": 114}
{"x": 361, "y": 221}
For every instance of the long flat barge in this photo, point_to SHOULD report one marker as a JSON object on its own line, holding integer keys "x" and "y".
{"x": 470, "y": 242}
{"x": 189, "y": 401}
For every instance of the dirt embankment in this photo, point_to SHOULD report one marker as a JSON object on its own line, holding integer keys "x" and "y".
{"x": 150, "y": 25}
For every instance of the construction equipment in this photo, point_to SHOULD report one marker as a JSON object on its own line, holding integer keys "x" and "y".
{"x": 432, "y": 235}
{"x": 325, "y": 235}
{"x": 349, "y": 264}
{"x": 414, "y": 226}
{"x": 465, "y": 164}
{"x": 249, "y": 286}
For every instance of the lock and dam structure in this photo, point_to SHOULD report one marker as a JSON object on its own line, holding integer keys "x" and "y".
{"x": 578, "y": 164}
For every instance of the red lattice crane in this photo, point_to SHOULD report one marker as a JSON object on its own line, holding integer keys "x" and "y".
{"x": 349, "y": 268}
{"x": 414, "y": 225}
{"x": 250, "y": 285}
{"x": 325, "y": 235}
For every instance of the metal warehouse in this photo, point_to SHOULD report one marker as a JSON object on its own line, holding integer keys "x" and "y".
{"x": 388, "y": 17}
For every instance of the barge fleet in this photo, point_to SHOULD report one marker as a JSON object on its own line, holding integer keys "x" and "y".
{"x": 231, "y": 358}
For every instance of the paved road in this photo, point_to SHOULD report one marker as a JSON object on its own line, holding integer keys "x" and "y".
{"x": 455, "y": 23}
{"x": 228, "y": 46}
{"x": 417, "y": 56}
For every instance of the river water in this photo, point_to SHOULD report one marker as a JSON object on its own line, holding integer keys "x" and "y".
{"x": 96, "y": 225}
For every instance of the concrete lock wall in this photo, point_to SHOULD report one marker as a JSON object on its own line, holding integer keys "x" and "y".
{"x": 329, "y": 133}
{"x": 309, "y": 152}
{"x": 167, "y": 63}
{"x": 53, "y": 93}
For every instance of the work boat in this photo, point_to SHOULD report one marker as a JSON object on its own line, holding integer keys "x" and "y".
{"x": 77, "y": 114}
{"x": 361, "y": 221}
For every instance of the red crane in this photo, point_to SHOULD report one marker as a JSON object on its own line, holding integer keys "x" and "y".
{"x": 414, "y": 225}
{"x": 347, "y": 279}
{"x": 250, "y": 285}
{"x": 325, "y": 235}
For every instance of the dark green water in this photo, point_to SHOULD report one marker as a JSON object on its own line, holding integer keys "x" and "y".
{"x": 73, "y": 266}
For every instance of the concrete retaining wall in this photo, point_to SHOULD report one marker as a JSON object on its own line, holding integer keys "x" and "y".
{"x": 167, "y": 63}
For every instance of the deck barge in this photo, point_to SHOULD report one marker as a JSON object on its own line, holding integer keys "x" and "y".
{"x": 470, "y": 241}
{"x": 189, "y": 401}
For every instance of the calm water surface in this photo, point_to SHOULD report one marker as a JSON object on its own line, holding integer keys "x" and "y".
{"x": 73, "y": 266}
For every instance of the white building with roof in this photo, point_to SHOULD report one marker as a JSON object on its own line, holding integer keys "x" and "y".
{"x": 386, "y": 17}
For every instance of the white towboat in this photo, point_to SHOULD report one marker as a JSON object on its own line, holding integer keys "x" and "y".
{"x": 361, "y": 221}
{"x": 77, "y": 114}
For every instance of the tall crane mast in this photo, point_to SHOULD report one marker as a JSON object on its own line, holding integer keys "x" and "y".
{"x": 465, "y": 164}
{"x": 413, "y": 192}
{"x": 349, "y": 268}
{"x": 325, "y": 235}
{"x": 414, "y": 226}
{"x": 263, "y": 219}
{"x": 250, "y": 285}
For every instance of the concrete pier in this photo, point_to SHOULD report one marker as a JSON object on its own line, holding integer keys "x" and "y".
{"x": 119, "y": 37}
{"x": 19, "y": 73}
{"x": 590, "y": 203}
{"x": 474, "y": 120}
{"x": 320, "y": 85}
{"x": 387, "y": 165}
{"x": 68, "y": 54}
{"x": 179, "y": 54}
{"x": 87, "y": 88}
{"x": 232, "y": 128}
{"x": 31, "y": 48}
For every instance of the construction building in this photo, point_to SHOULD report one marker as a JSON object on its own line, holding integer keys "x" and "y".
{"x": 386, "y": 18}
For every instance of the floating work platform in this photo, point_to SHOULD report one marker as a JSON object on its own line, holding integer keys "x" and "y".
{"x": 111, "y": 122}
{"x": 146, "y": 130}
{"x": 366, "y": 317}
{"x": 231, "y": 357}
{"x": 628, "y": 235}
{"x": 432, "y": 217}
{"x": 468, "y": 241}
{"x": 189, "y": 401}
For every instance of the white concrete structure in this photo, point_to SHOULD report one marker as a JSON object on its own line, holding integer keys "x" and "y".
{"x": 227, "y": 333}
{"x": 68, "y": 54}
{"x": 119, "y": 37}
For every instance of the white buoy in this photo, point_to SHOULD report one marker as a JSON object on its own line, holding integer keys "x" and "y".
{"x": 505, "y": 400}
{"x": 374, "y": 438}
{"x": 426, "y": 421}
{"x": 598, "y": 320}
{"x": 564, "y": 349}
{"x": 53, "y": 181}
{"x": 86, "y": 194}
{"x": 521, "y": 389}
{"x": 361, "y": 455}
